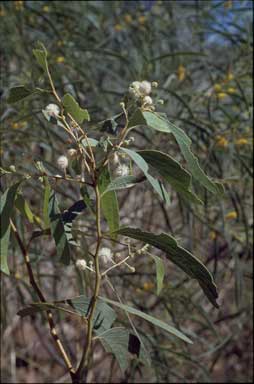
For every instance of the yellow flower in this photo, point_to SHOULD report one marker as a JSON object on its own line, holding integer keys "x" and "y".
{"x": 60, "y": 59}
{"x": 217, "y": 87}
{"x": 221, "y": 142}
{"x": 142, "y": 20}
{"x": 212, "y": 235}
{"x": 19, "y": 5}
{"x": 17, "y": 276}
{"x": 181, "y": 72}
{"x": 231, "y": 90}
{"x": 241, "y": 141}
{"x": 45, "y": 8}
{"x": 228, "y": 4}
{"x": 15, "y": 125}
{"x": 231, "y": 215}
{"x": 128, "y": 18}
{"x": 229, "y": 76}
{"x": 148, "y": 286}
{"x": 118, "y": 27}
{"x": 221, "y": 95}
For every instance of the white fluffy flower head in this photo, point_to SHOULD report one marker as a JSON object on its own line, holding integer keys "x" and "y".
{"x": 122, "y": 170}
{"x": 52, "y": 110}
{"x": 105, "y": 254}
{"x": 81, "y": 264}
{"x": 145, "y": 88}
{"x": 62, "y": 162}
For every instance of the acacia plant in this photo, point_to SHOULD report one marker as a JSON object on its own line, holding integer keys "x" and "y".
{"x": 99, "y": 166}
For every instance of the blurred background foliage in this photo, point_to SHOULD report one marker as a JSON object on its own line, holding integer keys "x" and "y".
{"x": 200, "y": 53}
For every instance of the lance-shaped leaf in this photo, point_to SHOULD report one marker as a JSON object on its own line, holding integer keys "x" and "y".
{"x": 24, "y": 208}
{"x": 149, "y": 318}
{"x": 19, "y": 93}
{"x": 46, "y": 202}
{"x": 103, "y": 319}
{"x": 58, "y": 230}
{"x": 89, "y": 142}
{"x": 160, "y": 123}
{"x": 141, "y": 163}
{"x": 109, "y": 202}
{"x": 122, "y": 182}
{"x": 160, "y": 272}
{"x": 6, "y": 208}
{"x": 121, "y": 342}
{"x": 41, "y": 56}
{"x": 179, "y": 256}
{"x": 172, "y": 172}
{"x": 74, "y": 109}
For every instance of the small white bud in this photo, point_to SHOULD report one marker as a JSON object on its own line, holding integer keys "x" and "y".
{"x": 145, "y": 87}
{"x": 147, "y": 100}
{"x": 154, "y": 84}
{"x": 122, "y": 170}
{"x": 62, "y": 162}
{"x": 122, "y": 105}
{"x": 81, "y": 264}
{"x": 105, "y": 254}
{"x": 12, "y": 168}
{"x": 161, "y": 101}
{"x": 72, "y": 152}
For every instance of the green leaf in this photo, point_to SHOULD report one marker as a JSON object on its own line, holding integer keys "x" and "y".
{"x": 92, "y": 142}
{"x": 141, "y": 163}
{"x": 118, "y": 341}
{"x": 18, "y": 93}
{"x": 149, "y": 318}
{"x": 41, "y": 57}
{"x": 109, "y": 202}
{"x": 179, "y": 256}
{"x": 7, "y": 200}
{"x": 172, "y": 172}
{"x": 74, "y": 109}
{"x": 121, "y": 182}
{"x": 160, "y": 272}
{"x": 24, "y": 208}
{"x": 104, "y": 315}
{"x": 58, "y": 230}
{"x": 159, "y": 123}
{"x": 46, "y": 203}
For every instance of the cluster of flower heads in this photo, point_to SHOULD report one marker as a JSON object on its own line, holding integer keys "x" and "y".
{"x": 141, "y": 90}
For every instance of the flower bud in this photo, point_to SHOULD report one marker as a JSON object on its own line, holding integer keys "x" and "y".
{"x": 72, "y": 152}
{"x": 62, "y": 162}
{"x": 12, "y": 168}
{"x": 105, "y": 254}
{"x": 147, "y": 100}
{"x": 81, "y": 264}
